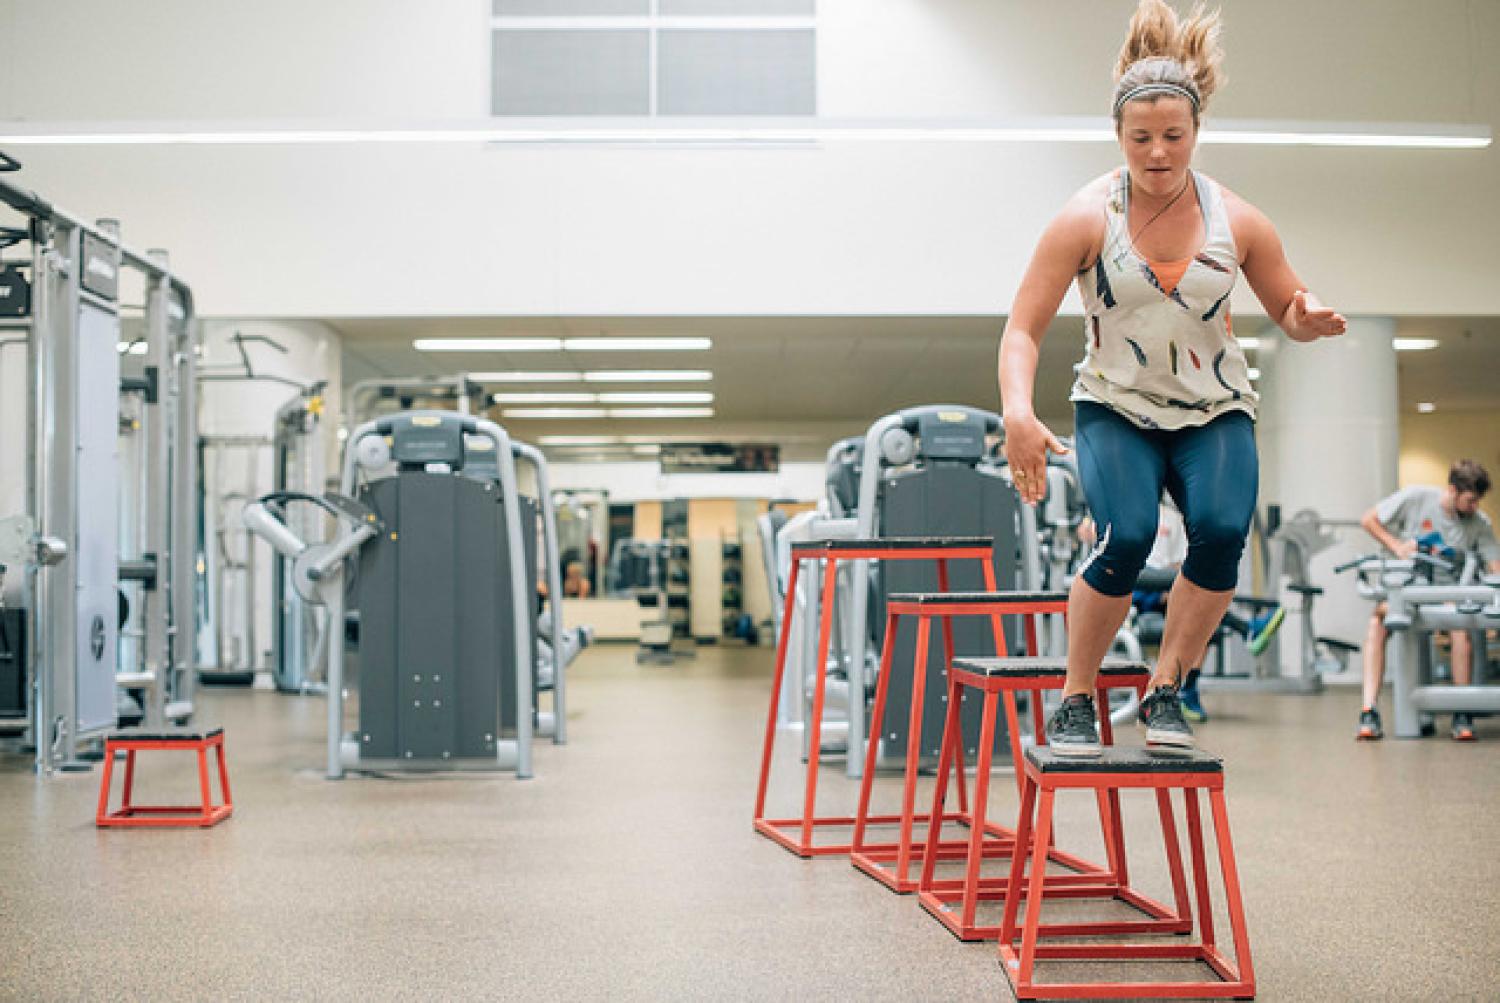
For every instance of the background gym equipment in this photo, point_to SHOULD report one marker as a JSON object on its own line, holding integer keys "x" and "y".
{"x": 928, "y": 471}
{"x": 922, "y": 472}
{"x": 75, "y": 525}
{"x": 1416, "y": 607}
{"x": 444, "y": 581}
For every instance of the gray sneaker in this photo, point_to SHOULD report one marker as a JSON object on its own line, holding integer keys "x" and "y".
{"x": 1071, "y": 731}
{"x": 1161, "y": 716}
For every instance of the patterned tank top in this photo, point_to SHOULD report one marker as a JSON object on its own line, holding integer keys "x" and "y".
{"x": 1159, "y": 344}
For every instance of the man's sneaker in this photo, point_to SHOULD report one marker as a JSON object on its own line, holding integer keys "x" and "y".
{"x": 1261, "y": 631}
{"x": 1463, "y": 728}
{"x": 1192, "y": 705}
{"x": 1369, "y": 725}
{"x": 1071, "y": 731}
{"x": 1161, "y": 716}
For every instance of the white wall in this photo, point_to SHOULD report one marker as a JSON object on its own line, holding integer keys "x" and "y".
{"x": 861, "y": 229}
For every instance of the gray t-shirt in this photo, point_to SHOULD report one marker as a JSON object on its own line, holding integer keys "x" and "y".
{"x": 1416, "y": 513}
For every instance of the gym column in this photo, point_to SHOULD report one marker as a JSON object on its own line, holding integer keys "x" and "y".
{"x": 1329, "y": 441}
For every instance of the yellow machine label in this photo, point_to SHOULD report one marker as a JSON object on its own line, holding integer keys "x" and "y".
{"x": 953, "y": 416}
{"x": 426, "y": 421}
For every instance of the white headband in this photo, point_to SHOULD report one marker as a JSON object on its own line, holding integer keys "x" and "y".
{"x": 1160, "y": 87}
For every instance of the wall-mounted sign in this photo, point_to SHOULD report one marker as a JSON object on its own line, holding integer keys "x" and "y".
{"x": 720, "y": 458}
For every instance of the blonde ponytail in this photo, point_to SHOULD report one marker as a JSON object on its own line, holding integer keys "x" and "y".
{"x": 1163, "y": 54}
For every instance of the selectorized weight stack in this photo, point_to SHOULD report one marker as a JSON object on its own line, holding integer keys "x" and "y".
{"x": 445, "y": 630}
{"x": 444, "y": 582}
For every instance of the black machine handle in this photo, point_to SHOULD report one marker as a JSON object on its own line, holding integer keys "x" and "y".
{"x": 1419, "y": 557}
{"x": 8, "y": 164}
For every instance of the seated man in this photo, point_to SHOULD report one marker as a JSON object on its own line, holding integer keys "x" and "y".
{"x": 1446, "y": 520}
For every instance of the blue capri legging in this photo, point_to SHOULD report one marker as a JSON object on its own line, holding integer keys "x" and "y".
{"x": 1211, "y": 472}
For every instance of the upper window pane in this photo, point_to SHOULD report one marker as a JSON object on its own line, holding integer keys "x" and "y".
{"x": 738, "y": 8}
{"x": 713, "y": 72}
{"x": 572, "y": 8}
{"x": 572, "y": 73}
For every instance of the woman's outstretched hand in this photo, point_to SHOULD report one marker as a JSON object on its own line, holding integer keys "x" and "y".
{"x": 1027, "y": 442}
{"x": 1309, "y": 320}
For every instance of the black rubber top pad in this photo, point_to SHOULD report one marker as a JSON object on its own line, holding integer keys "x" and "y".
{"x": 897, "y": 543}
{"x": 941, "y": 598}
{"x": 1126, "y": 759}
{"x": 1038, "y": 665}
{"x": 165, "y": 734}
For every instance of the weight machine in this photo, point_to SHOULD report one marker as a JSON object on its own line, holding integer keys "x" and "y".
{"x": 64, "y": 554}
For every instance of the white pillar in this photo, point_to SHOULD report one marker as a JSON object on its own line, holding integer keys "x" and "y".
{"x": 299, "y": 352}
{"x": 1329, "y": 441}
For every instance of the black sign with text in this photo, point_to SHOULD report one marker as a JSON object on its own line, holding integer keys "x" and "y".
{"x": 720, "y": 458}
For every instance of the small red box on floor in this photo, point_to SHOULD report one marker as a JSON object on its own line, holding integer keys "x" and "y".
{"x": 136, "y": 740}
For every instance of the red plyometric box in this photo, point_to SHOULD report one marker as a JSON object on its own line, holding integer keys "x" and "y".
{"x": 1159, "y": 771}
{"x": 133, "y": 741}
{"x": 796, "y": 834}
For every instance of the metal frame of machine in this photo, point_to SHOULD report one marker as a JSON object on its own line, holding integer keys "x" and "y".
{"x": 64, "y": 550}
{"x": 317, "y": 574}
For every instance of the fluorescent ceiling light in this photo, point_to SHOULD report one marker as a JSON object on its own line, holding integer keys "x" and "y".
{"x": 648, "y": 376}
{"x": 579, "y": 440}
{"x": 596, "y": 376}
{"x": 615, "y": 412}
{"x": 1426, "y": 407}
{"x": 1414, "y": 344}
{"x": 646, "y": 450}
{"x": 658, "y": 397}
{"x": 603, "y": 344}
{"x": 545, "y": 398}
{"x": 643, "y": 397}
{"x": 662, "y": 412}
{"x": 554, "y": 412}
{"x": 637, "y": 344}
{"x": 1249, "y": 342}
{"x": 488, "y": 344}
{"x": 731, "y": 131}
{"x": 516, "y": 376}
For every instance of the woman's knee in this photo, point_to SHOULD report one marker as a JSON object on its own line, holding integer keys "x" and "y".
{"x": 1214, "y": 549}
{"x": 1119, "y": 557}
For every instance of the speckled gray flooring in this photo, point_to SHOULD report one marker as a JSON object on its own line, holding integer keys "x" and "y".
{"x": 628, "y": 869}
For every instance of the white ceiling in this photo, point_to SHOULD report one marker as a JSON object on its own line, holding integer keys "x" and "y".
{"x": 806, "y": 381}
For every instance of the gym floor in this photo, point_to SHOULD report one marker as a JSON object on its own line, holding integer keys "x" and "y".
{"x": 628, "y": 869}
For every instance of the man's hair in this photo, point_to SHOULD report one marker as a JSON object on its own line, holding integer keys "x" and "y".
{"x": 1467, "y": 475}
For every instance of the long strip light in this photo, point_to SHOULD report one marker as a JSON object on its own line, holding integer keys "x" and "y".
{"x": 525, "y": 377}
{"x": 614, "y": 440}
{"x": 795, "y": 131}
{"x": 603, "y": 344}
{"x": 614, "y": 412}
{"x": 648, "y": 376}
{"x": 624, "y": 344}
{"x": 488, "y": 344}
{"x": 643, "y": 397}
{"x": 1250, "y": 343}
{"x": 598, "y": 376}
{"x": 658, "y": 397}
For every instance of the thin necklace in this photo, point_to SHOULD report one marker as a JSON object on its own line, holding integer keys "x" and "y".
{"x": 1163, "y": 209}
